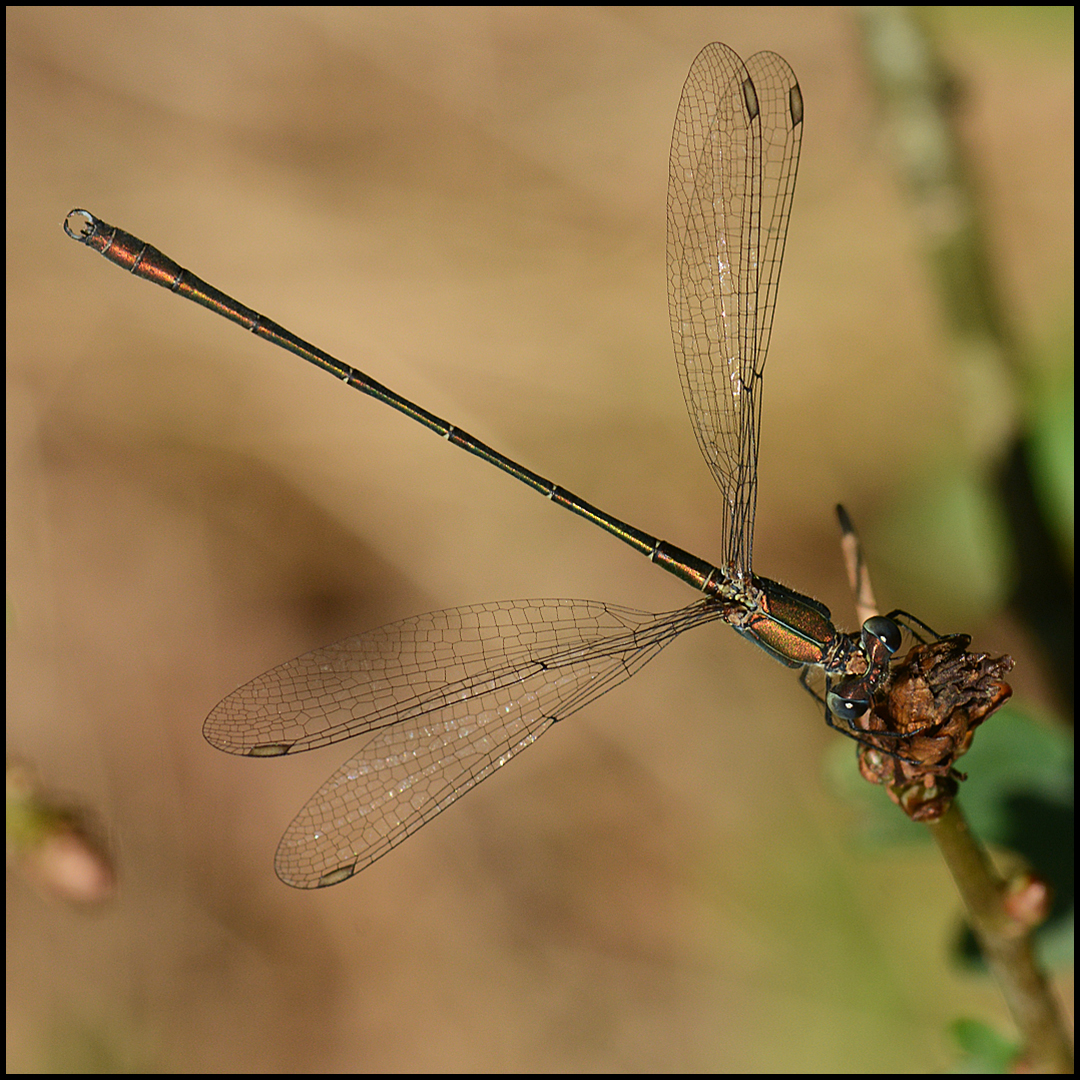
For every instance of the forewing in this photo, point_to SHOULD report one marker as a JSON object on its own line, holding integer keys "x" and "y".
{"x": 444, "y": 698}
{"x": 734, "y": 157}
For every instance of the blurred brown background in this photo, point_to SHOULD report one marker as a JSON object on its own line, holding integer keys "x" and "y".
{"x": 469, "y": 205}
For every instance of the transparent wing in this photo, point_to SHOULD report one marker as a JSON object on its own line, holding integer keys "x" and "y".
{"x": 445, "y": 698}
{"x": 734, "y": 156}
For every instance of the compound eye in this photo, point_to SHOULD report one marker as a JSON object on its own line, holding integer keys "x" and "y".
{"x": 884, "y": 630}
{"x": 848, "y": 709}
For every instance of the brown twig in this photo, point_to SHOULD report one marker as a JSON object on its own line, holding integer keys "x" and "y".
{"x": 927, "y": 712}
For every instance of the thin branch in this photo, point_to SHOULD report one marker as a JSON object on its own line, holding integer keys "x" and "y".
{"x": 935, "y": 698}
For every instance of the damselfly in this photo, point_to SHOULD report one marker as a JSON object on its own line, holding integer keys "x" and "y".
{"x": 445, "y": 699}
